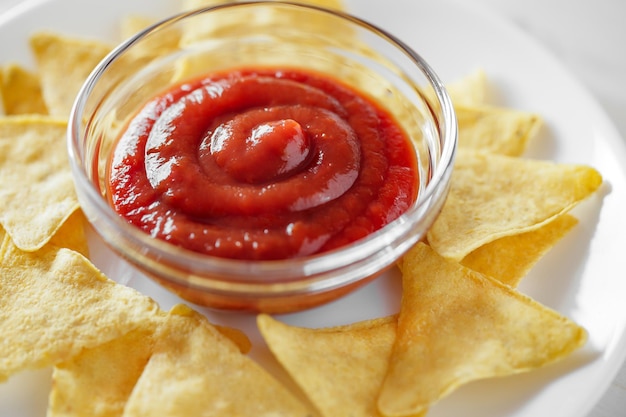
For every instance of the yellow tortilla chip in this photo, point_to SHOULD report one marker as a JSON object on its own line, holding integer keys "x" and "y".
{"x": 340, "y": 369}
{"x": 36, "y": 185}
{"x": 195, "y": 370}
{"x": 188, "y": 5}
{"x": 63, "y": 64}
{"x": 98, "y": 381}
{"x": 20, "y": 91}
{"x": 495, "y": 129}
{"x": 470, "y": 90}
{"x": 456, "y": 326}
{"x": 72, "y": 235}
{"x": 162, "y": 43}
{"x": 54, "y": 303}
{"x": 493, "y": 196}
{"x": 275, "y": 24}
{"x": 509, "y": 259}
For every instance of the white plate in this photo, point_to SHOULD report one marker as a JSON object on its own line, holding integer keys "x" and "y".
{"x": 583, "y": 277}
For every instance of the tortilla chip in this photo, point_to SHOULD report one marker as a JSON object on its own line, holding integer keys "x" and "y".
{"x": 63, "y": 64}
{"x": 496, "y": 129}
{"x": 494, "y": 196}
{"x": 470, "y": 90}
{"x": 98, "y": 381}
{"x": 276, "y": 24}
{"x": 162, "y": 43}
{"x": 197, "y": 4}
{"x": 456, "y": 326}
{"x": 72, "y": 235}
{"x": 195, "y": 370}
{"x": 510, "y": 259}
{"x": 20, "y": 91}
{"x": 340, "y": 369}
{"x": 36, "y": 185}
{"x": 239, "y": 338}
{"x": 54, "y": 303}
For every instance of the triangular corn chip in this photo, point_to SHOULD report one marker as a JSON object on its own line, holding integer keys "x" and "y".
{"x": 20, "y": 91}
{"x": 470, "y": 90}
{"x": 340, "y": 369}
{"x": 98, "y": 381}
{"x": 493, "y": 196}
{"x": 271, "y": 24}
{"x": 36, "y": 185}
{"x": 195, "y": 370}
{"x": 495, "y": 129}
{"x": 54, "y": 303}
{"x": 63, "y": 65}
{"x": 456, "y": 326}
{"x": 510, "y": 258}
{"x": 162, "y": 42}
{"x": 72, "y": 235}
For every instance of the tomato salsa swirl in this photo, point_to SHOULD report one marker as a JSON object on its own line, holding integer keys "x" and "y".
{"x": 262, "y": 164}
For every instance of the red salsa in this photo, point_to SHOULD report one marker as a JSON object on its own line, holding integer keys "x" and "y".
{"x": 262, "y": 164}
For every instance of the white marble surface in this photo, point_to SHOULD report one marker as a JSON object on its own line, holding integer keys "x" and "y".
{"x": 588, "y": 36}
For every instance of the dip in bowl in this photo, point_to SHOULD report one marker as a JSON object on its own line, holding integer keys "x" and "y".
{"x": 279, "y": 157}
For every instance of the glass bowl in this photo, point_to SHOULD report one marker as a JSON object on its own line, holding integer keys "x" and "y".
{"x": 264, "y": 34}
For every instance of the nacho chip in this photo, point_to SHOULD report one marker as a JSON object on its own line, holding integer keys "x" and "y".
{"x": 63, "y": 64}
{"x": 509, "y": 259}
{"x": 340, "y": 369}
{"x": 98, "y": 381}
{"x": 239, "y": 338}
{"x": 20, "y": 91}
{"x": 162, "y": 43}
{"x": 54, "y": 303}
{"x": 470, "y": 90}
{"x": 195, "y": 370}
{"x": 494, "y": 196}
{"x": 456, "y": 326}
{"x": 36, "y": 185}
{"x": 72, "y": 235}
{"x": 495, "y": 129}
{"x": 276, "y": 24}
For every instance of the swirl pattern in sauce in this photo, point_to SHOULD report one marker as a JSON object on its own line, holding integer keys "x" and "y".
{"x": 262, "y": 164}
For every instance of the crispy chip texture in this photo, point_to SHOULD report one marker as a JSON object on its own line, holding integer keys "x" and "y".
{"x": 64, "y": 64}
{"x": 20, "y": 91}
{"x": 275, "y": 24}
{"x": 72, "y": 235}
{"x": 163, "y": 42}
{"x": 340, "y": 368}
{"x": 54, "y": 303}
{"x": 98, "y": 381}
{"x": 36, "y": 185}
{"x": 456, "y": 325}
{"x": 493, "y": 196}
{"x": 470, "y": 90}
{"x": 510, "y": 258}
{"x": 495, "y": 129}
{"x": 195, "y": 370}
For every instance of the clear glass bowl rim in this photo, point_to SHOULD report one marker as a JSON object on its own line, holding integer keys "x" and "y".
{"x": 287, "y": 270}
